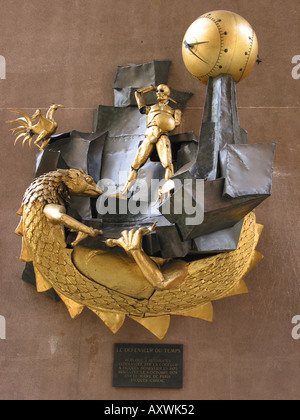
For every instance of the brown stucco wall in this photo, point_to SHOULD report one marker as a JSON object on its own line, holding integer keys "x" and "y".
{"x": 67, "y": 52}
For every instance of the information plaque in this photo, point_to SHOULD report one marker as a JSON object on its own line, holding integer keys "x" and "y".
{"x": 148, "y": 365}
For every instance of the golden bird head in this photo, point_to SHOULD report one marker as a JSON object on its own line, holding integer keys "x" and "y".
{"x": 56, "y": 106}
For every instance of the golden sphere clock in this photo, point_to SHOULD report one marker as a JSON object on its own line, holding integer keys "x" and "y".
{"x": 219, "y": 42}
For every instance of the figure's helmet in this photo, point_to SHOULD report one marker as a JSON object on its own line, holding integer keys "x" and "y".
{"x": 163, "y": 93}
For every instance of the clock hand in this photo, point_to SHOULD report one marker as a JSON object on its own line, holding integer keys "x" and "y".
{"x": 191, "y": 44}
{"x": 191, "y": 50}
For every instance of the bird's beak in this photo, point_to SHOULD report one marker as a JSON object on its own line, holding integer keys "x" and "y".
{"x": 59, "y": 106}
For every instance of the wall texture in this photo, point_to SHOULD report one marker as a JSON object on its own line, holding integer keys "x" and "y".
{"x": 67, "y": 52}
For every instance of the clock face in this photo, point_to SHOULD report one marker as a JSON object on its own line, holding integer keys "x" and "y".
{"x": 219, "y": 42}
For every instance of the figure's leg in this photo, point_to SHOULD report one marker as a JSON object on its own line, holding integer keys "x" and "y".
{"x": 41, "y": 137}
{"x": 131, "y": 177}
{"x": 143, "y": 153}
{"x": 164, "y": 151}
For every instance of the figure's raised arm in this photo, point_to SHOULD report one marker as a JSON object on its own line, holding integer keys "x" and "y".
{"x": 147, "y": 89}
{"x": 141, "y": 103}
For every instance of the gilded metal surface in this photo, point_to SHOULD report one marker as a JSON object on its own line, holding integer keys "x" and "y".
{"x": 49, "y": 194}
{"x": 160, "y": 274}
{"x": 44, "y": 128}
{"x": 219, "y": 42}
{"x": 44, "y": 244}
{"x": 161, "y": 119}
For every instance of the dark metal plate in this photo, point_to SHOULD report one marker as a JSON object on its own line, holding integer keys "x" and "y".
{"x": 148, "y": 365}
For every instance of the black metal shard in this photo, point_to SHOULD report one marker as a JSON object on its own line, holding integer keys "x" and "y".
{"x": 247, "y": 169}
{"x": 75, "y": 150}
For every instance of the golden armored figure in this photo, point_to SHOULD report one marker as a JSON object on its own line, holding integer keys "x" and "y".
{"x": 44, "y": 128}
{"x": 161, "y": 119}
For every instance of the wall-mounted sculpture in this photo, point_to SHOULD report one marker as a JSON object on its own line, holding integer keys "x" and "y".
{"x": 150, "y": 264}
